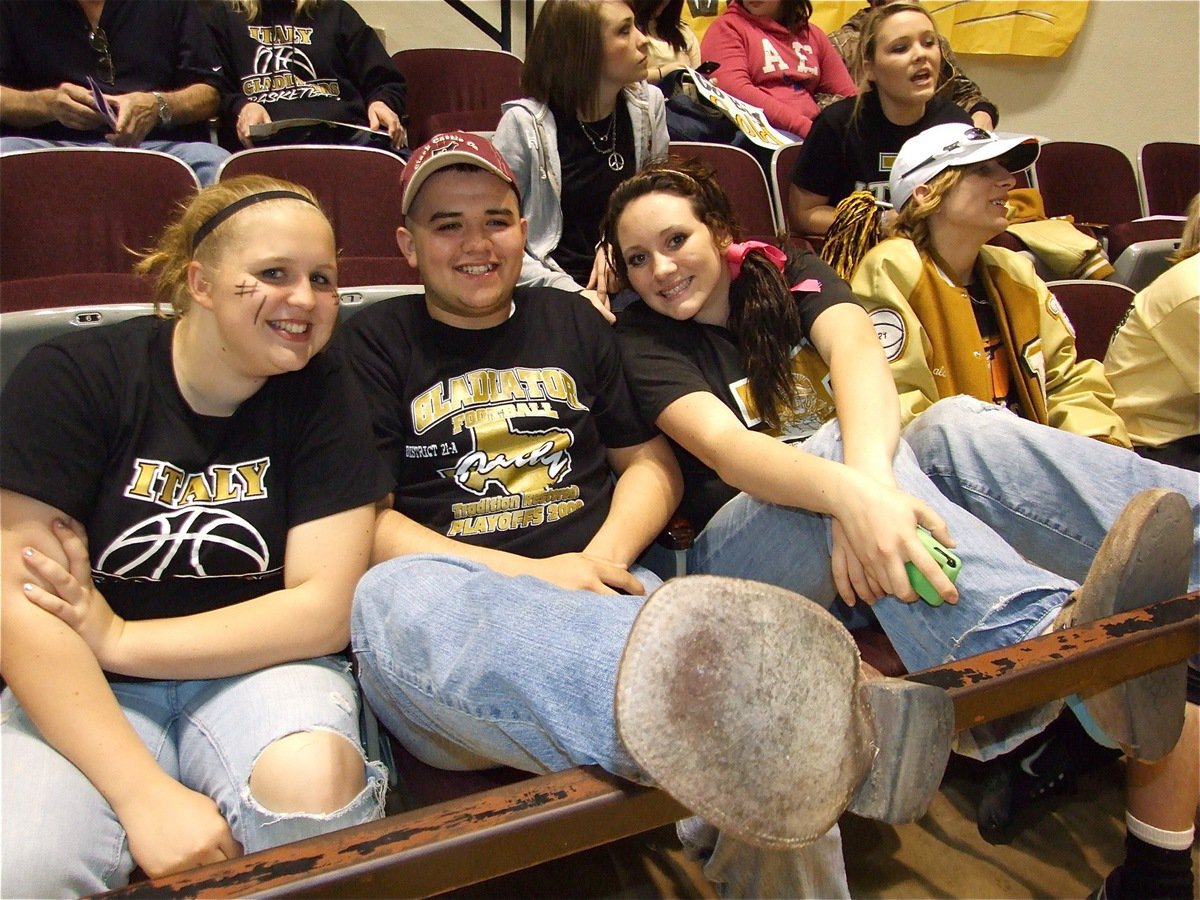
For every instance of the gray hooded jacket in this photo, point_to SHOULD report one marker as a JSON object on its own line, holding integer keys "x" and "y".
{"x": 527, "y": 138}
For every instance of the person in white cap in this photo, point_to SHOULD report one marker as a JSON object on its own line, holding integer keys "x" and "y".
{"x": 957, "y": 317}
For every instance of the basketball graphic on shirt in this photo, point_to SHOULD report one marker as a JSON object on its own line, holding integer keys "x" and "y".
{"x": 201, "y": 543}
{"x": 889, "y": 328}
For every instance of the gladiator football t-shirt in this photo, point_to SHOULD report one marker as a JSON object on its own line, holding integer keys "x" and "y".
{"x": 498, "y": 436}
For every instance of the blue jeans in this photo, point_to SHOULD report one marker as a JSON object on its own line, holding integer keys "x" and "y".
{"x": 1028, "y": 505}
{"x": 1052, "y": 494}
{"x": 61, "y": 838}
{"x": 470, "y": 669}
{"x": 203, "y": 157}
{"x": 1003, "y": 599}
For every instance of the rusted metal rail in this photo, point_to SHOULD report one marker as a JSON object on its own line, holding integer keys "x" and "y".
{"x": 461, "y": 842}
{"x": 1083, "y": 660}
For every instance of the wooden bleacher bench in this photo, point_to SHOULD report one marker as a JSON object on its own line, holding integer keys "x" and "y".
{"x": 462, "y": 842}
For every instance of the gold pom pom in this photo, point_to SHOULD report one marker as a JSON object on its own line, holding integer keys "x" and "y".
{"x": 857, "y": 228}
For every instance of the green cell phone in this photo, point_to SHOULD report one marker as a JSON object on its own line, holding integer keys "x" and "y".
{"x": 946, "y": 560}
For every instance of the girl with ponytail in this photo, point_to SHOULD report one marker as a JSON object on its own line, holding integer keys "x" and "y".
{"x": 773, "y": 386}
{"x": 737, "y": 351}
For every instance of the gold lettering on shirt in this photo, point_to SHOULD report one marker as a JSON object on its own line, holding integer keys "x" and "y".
{"x": 281, "y": 34}
{"x": 484, "y": 387}
{"x": 512, "y": 461}
{"x": 156, "y": 481}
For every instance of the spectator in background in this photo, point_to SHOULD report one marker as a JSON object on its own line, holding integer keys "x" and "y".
{"x": 1153, "y": 362}
{"x": 306, "y": 59}
{"x": 953, "y": 83}
{"x": 772, "y": 57}
{"x": 589, "y": 122}
{"x": 852, "y": 144}
{"x": 673, "y": 49}
{"x": 672, "y": 43}
{"x": 153, "y": 59}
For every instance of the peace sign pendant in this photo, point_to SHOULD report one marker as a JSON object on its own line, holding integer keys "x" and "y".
{"x": 616, "y": 161}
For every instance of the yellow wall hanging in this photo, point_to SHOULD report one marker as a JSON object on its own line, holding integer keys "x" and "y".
{"x": 1016, "y": 27}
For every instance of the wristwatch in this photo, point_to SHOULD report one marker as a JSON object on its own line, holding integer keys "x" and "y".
{"x": 164, "y": 109}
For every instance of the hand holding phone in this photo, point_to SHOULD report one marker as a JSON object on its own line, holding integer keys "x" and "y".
{"x": 947, "y": 561}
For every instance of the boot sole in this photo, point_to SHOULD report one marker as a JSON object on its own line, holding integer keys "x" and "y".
{"x": 742, "y": 700}
{"x": 1145, "y": 557}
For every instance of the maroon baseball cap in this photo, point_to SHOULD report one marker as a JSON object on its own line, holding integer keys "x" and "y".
{"x": 451, "y": 148}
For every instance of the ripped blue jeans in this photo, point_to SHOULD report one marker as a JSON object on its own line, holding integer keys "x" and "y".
{"x": 60, "y": 836}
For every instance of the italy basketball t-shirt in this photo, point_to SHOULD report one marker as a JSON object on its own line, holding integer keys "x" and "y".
{"x": 184, "y": 513}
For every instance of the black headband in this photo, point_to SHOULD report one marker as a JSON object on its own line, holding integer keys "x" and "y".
{"x": 236, "y": 206}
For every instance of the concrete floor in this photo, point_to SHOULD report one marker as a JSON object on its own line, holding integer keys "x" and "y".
{"x": 1065, "y": 851}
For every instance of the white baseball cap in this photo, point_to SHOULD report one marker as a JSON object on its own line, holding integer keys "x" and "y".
{"x": 943, "y": 147}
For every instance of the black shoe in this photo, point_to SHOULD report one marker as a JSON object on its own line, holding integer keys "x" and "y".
{"x": 1169, "y": 879}
{"x": 1044, "y": 767}
{"x": 1010, "y": 794}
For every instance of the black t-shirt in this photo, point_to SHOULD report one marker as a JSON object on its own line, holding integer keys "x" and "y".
{"x": 156, "y": 45}
{"x": 587, "y": 183}
{"x": 667, "y": 359}
{"x": 843, "y": 154}
{"x": 1004, "y": 390}
{"x": 498, "y": 436}
{"x": 184, "y": 513}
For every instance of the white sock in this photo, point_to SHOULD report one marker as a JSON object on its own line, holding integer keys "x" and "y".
{"x": 1159, "y": 837}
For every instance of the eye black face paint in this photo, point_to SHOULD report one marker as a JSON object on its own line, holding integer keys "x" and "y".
{"x": 249, "y": 287}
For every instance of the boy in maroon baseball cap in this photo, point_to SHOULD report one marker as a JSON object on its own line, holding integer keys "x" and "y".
{"x": 452, "y": 148}
{"x": 507, "y": 614}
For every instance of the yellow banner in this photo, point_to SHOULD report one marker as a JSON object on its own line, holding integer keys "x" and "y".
{"x": 828, "y": 15}
{"x": 1016, "y": 27}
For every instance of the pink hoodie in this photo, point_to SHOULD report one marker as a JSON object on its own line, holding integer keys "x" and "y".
{"x": 771, "y": 67}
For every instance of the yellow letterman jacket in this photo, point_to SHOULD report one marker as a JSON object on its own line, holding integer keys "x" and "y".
{"x": 924, "y": 320}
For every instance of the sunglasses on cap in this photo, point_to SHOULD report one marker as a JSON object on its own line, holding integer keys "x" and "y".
{"x": 970, "y": 136}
